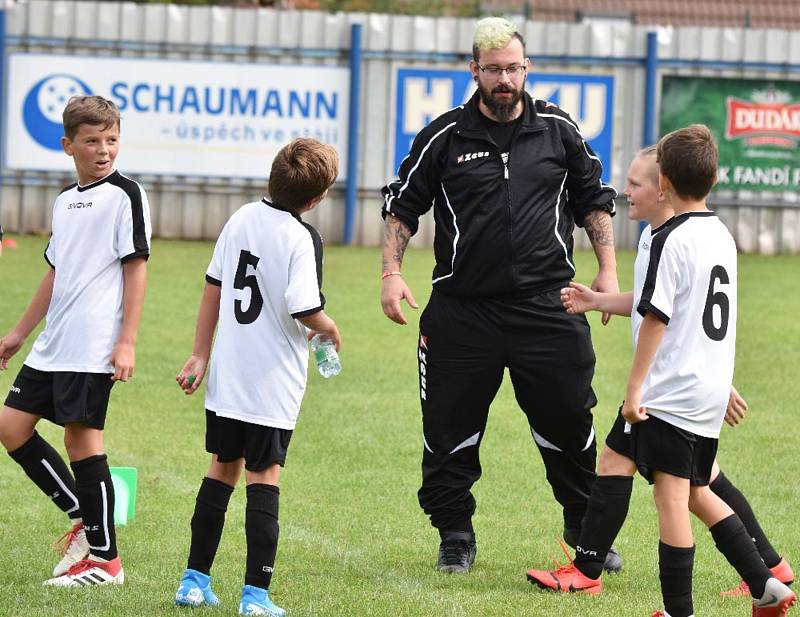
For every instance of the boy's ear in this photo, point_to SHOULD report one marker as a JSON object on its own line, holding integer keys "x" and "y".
{"x": 314, "y": 202}
{"x": 664, "y": 185}
{"x": 66, "y": 144}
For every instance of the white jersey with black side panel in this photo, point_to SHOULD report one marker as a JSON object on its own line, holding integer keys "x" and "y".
{"x": 269, "y": 264}
{"x": 96, "y": 228}
{"x": 688, "y": 282}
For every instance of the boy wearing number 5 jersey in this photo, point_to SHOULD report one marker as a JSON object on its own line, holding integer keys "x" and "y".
{"x": 684, "y": 334}
{"x": 263, "y": 290}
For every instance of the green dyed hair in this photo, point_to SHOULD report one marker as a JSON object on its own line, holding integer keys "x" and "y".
{"x": 494, "y": 33}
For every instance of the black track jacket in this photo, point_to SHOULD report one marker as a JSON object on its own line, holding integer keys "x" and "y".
{"x": 500, "y": 230}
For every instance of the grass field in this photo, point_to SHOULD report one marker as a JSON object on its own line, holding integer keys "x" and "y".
{"x": 353, "y": 539}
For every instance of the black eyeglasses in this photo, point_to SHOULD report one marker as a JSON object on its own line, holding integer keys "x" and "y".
{"x": 512, "y": 70}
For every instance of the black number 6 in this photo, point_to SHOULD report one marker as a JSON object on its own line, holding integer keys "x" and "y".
{"x": 717, "y": 299}
{"x": 242, "y": 280}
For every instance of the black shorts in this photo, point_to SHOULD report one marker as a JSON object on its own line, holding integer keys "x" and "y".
{"x": 618, "y": 440}
{"x": 62, "y": 397}
{"x": 660, "y": 446}
{"x": 260, "y": 446}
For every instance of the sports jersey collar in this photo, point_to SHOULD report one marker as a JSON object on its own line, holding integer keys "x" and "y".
{"x": 687, "y": 215}
{"x": 266, "y": 201}
{"x": 113, "y": 174}
{"x": 663, "y": 225}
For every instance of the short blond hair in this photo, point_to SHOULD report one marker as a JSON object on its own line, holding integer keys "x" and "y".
{"x": 650, "y": 152}
{"x": 93, "y": 110}
{"x": 494, "y": 33}
{"x": 301, "y": 172}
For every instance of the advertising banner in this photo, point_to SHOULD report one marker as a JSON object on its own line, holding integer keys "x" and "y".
{"x": 756, "y": 124}
{"x": 211, "y": 119}
{"x": 423, "y": 94}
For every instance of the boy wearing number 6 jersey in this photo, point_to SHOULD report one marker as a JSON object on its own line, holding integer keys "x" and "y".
{"x": 683, "y": 325}
{"x": 263, "y": 289}
{"x": 677, "y": 394}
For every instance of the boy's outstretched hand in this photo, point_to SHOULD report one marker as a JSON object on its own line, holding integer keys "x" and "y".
{"x": 578, "y": 298}
{"x": 192, "y": 373}
{"x": 9, "y": 345}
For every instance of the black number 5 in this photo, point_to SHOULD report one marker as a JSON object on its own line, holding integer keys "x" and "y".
{"x": 242, "y": 280}
{"x": 718, "y": 273}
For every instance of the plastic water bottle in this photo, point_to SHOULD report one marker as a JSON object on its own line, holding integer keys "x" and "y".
{"x": 326, "y": 356}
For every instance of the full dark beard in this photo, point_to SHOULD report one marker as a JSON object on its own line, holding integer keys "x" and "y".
{"x": 503, "y": 111}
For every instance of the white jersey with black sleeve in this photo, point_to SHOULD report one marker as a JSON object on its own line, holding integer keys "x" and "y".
{"x": 685, "y": 275}
{"x": 96, "y": 228}
{"x": 268, "y": 263}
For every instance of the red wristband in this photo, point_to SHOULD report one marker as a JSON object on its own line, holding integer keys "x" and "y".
{"x": 392, "y": 273}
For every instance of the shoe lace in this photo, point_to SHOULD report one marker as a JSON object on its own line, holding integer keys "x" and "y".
{"x": 81, "y": 566}
{"x": 61, "y": 546}
{"x": 565, "y": 567}
{"x": 455, "y": 552}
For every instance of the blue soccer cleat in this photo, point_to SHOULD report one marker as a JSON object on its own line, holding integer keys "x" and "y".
{"x": 195, "y": 590}
{"x": 256, "y": 601}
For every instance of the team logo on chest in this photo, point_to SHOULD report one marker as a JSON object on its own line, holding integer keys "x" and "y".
{"x": 471, "y": 156}
{"x": 78, "y": 205}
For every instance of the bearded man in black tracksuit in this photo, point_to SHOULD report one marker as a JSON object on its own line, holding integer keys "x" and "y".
{"x": 508, "y": 177}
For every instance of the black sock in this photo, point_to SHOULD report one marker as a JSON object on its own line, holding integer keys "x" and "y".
{"x": 96, "y": 496}
{"x": 731, "y": 495}
{"x": 675, "y": 571}
{"x": 207, "y": 523}
{"x": 608, "y": 507}
{"x": 49, "y": 472}
{"x": 261, "y": 527}
{"x": 732, "y": 540}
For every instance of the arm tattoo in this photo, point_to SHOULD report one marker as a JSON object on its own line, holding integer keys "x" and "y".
{"x": 599, "y": 229}
{"x": 395, "y": 240}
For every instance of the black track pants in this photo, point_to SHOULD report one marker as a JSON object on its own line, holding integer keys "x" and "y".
{"x": 464, "y": 347}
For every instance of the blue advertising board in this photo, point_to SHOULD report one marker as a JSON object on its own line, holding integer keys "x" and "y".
{"x": 423, "y": 94}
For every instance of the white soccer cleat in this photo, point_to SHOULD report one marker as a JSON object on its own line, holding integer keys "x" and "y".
{"x": 88, "y": 572}
{"x": 776, "y": 601}
{"x": 73, "y": 547}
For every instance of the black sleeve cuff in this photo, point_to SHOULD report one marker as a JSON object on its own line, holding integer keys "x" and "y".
{"x": 307, "y": 313}
{"x": 145, "y": 254}
{"x": 580, "y": 213}
{"x": 49, "y": 263}
{"x": 409, "y": 221}
{"x": 646, "y": 307}
{"x": 212, "y": 281}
